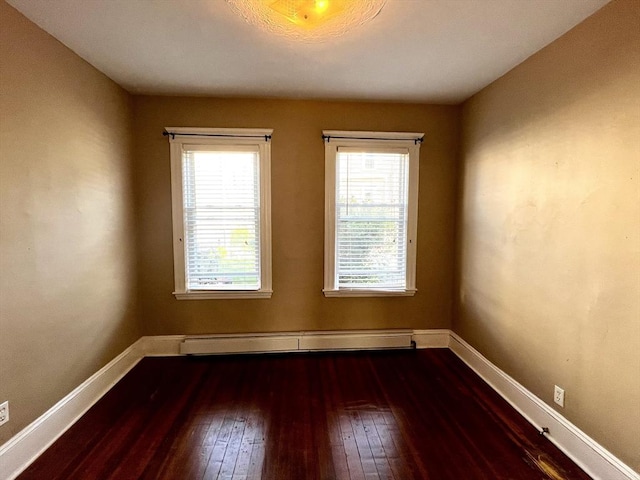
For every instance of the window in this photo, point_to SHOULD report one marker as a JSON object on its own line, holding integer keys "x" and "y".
{"x": 371, "y": 208}
{"x": 221, "y": 202}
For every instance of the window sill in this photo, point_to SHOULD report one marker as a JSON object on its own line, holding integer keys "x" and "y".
{"x": 222, "y": 294}
{"x": 369, "y": 293}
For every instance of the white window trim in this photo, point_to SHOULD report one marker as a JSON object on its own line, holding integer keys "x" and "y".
{"x": 375, "y": 140}
{"x": 179, "y": 136}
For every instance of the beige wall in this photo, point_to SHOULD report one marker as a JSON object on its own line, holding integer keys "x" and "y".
{"x": 67, "y": 281}
{"x": 550, "y": 225}
{"x": 297, "y": 216}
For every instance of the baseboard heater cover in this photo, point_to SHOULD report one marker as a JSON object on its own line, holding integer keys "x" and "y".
{"x": 355, "y": 340}
{"x": 293, "y": 342}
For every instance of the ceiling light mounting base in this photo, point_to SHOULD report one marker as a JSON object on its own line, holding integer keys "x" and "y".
{"x": 307, "y": 20}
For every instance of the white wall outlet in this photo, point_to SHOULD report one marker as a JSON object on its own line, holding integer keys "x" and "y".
{"x": 4, "y": 412}
{"x": 558, "y": 396}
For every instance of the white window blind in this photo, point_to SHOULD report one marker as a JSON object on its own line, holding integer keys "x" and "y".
{"x": 221, "y": 208}
{"x": 371, "y": 218}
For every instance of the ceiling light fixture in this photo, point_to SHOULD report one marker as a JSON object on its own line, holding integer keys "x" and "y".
{"x": 307, "y": 20}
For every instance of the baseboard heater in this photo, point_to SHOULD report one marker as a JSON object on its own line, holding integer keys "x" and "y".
{"x": 296, "y": 341}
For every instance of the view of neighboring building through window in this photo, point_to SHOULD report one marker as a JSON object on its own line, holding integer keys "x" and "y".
{"x": 371, "y": 213}
{"x": 221, "y": 212}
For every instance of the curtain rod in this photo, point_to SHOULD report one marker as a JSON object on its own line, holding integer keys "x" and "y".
{"x": 416, "y": 140}
{"x": 173, "y": 135}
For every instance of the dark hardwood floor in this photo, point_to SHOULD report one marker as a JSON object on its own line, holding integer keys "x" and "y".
{"x": 352, "y": 415}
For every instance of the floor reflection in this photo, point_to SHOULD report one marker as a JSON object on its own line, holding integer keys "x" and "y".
{"x": 365, "y": 442}
{"x": 231, "y": 443}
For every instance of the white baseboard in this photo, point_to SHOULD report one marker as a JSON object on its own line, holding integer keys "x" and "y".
{"x": 18, "y": 453}
{"x": 436, "y": 338}
{"x": 21, "y": 450}
{"x": 577, "y": 445}
{"x": 162, "y": 345}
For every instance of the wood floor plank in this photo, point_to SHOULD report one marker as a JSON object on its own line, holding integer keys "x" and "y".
{"x": 330, "y": 416}
{"x": 331, "y": 405}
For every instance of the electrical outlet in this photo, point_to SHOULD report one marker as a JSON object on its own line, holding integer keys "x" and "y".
{"x": 558, "y": 396}
{"x": 4, "y": 412}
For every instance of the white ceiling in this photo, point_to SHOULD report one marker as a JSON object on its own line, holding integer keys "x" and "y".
{"x": 435, "y": 51}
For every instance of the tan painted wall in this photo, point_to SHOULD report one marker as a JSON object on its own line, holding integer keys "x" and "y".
{"x": 67, "y": 281}
{"x": 550, "y": 225}
{"x": 297, "y": 216}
